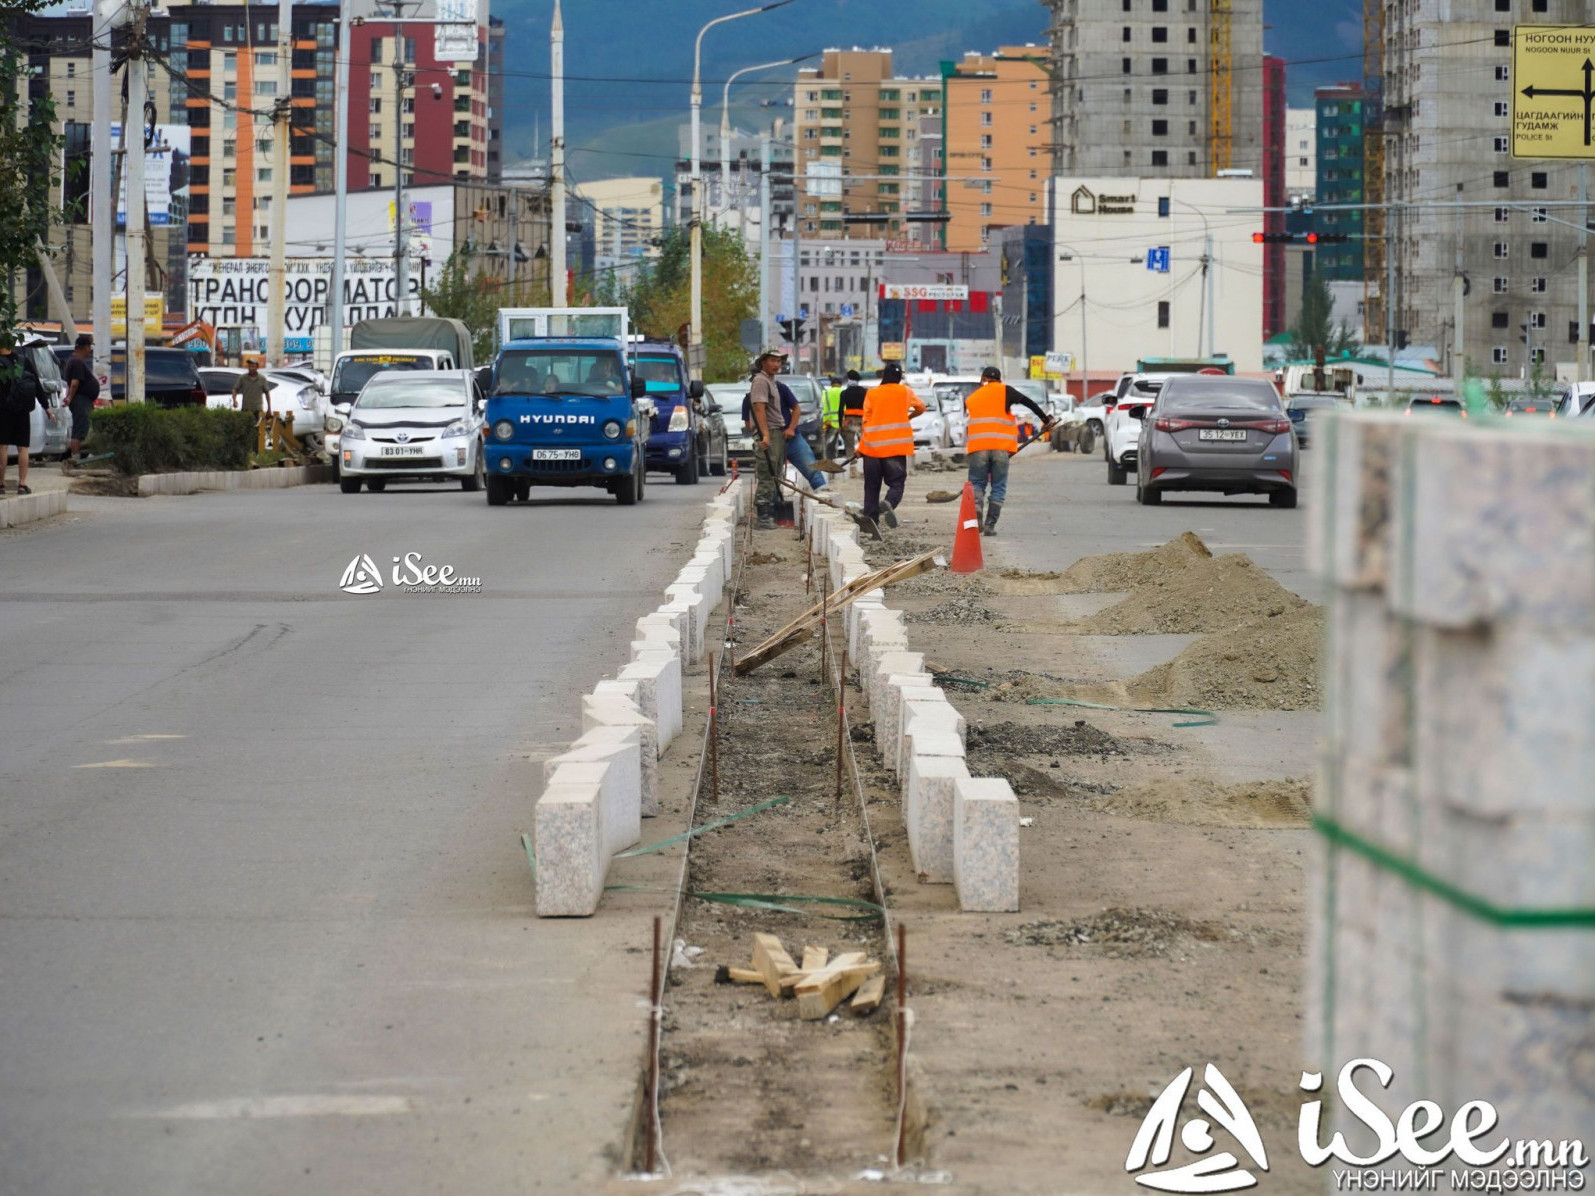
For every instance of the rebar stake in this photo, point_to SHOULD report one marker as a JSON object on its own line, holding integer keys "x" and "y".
{"x": 651, "y": 1134}
{"x": 714, "y": 738}
{"x": 901, "y": 1153}
{"x": 841, "y": 723}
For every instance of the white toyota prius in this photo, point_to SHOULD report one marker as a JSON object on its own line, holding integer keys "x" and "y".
{"x": 413, "y": 426}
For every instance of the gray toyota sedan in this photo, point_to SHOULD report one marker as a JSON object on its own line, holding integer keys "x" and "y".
{"x": 1222, "y": 435}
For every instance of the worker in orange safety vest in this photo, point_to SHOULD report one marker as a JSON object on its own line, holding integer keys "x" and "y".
{"x": 993, "y": 439}
{"x": 887, "y": 442}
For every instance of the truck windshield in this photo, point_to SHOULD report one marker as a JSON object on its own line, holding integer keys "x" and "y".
{"x": 352, "y": 373}
{"x": 660, "y": 373}
{"x": 592, "y": 372}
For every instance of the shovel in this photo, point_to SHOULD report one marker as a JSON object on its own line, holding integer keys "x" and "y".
{"x": 851, "y": 510}
{"x": 828, "y": 465}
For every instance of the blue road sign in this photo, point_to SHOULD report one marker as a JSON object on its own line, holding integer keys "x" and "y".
{"x": 1157, "y": 259}
{"x": 847, "y": 311}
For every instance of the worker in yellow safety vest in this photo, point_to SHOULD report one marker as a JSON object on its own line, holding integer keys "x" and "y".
{"x": 993, "y": 439}
{"x": 887, "y": 442}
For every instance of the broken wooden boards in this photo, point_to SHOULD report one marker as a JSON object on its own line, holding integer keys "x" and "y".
{"x": 820, "y": 984}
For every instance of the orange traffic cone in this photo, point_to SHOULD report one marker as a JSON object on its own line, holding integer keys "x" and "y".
{"x": 966, "y": 539}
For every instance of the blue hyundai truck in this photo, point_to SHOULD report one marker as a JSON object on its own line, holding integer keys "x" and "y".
{"x": 679, "y": 442}
{"x": 562, "y": 406}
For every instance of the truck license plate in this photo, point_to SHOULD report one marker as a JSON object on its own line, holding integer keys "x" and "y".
{"x": 1221, "y": 434}
{"x": 402, "y": 450}
{"x": 556, "y": 454}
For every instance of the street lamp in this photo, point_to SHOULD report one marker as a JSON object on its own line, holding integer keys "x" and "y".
{"x": 725, "y": 119}
{"x": 695, "y": 336}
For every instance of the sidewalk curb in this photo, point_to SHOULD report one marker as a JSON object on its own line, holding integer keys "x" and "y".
{"x": 29, "y": 508}
{"x": 194, "y": 481}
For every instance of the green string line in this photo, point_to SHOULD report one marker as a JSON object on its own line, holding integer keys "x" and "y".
{"x": 963, "y": 682}
{"x": 696, "y": 831}
{"x": 1418, "y": 878}
{"x": 1208, "y": 718}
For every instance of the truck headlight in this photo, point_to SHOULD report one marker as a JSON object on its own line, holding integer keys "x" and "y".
{"x": 678, "y": 419}
{"x": 503, "y": 430}
{"x": 353, "y": 431}
{"x": 612, "y": 429}
{"x": 333, "y": 424}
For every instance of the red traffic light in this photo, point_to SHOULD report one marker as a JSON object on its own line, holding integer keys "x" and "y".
{"x": 1312, "y": 238}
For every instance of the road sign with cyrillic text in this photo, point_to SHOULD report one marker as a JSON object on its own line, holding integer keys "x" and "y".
{"x": 1553, "y": 91}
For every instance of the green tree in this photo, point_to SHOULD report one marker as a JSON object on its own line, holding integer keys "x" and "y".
{"x": 1314, "y": 326}
{"x": 661, "y": 299}
{"x": 462, "y": 291}
{"x": 27, "y": 157}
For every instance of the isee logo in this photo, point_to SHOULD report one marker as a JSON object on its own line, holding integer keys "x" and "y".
{"x": 1420, "y": 1136}
{"x": 361, "y": 577}
{"x": 1219, "y": 1173}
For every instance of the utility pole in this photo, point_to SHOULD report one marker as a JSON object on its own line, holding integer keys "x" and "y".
{"x": 556, "y": 163}
{"x": 764, "y": 239}
{"x": 340, "y": 219}
{"x": 102, "y": 191}
{"x": 1582, "y": 373}
{"x": 282, "y": 122}
{"x": 133, "y": 152}
{"x": 401, "y": 238}
{"x": 1390, "y": 306}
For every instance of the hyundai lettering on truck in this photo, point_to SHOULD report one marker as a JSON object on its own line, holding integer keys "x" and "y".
{"x": 562, "y": 405}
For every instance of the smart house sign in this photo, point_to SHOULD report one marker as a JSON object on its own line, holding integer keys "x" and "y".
{"x": 235, "y": 292}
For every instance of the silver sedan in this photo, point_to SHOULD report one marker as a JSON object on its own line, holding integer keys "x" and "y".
{"x": 1221, "y": 435}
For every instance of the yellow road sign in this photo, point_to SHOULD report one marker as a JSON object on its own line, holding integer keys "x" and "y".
{"x": 1553, "y": 88}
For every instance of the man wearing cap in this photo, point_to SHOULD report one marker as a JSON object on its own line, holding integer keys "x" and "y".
{"x": 769, "y": 442}
{"x": 82, "y": 388}
{"x": 993, "y": 439}
{"x": 852, "y": 413}
{"x": 887, "y": 442}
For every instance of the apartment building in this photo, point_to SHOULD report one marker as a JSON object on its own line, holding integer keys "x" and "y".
{"x": 1448, "y": 83}
{"x": 856, "y": 128}
{"x": 1301, "y": 152}
{"x": 1156, "y": 88}
{"x": 996, "y": 118}
{"x": 732, "y": 202}
{"x": 1340, "y": 113}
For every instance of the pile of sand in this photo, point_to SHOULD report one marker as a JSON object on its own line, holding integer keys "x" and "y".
{"x": 1268, "y": 663}
{"x": 1128, "y": 570}
{"x": 1193, "y": 802}
{"x": 1206, "y": 595}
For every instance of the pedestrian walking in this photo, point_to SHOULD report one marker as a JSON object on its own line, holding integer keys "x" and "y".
{"x": 769, "y": 445}
{"x": 82, "y": 388}
{"x": 992, "y": 442}
{"x": 852, "y": 414}
{"x": 20, "y": 391}
{"x": 886, "y": 442}
{"x": 831, "y": 417}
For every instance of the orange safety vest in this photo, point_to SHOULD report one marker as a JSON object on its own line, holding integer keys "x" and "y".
{"x": 887, "y": 432}
{"x": 991, "y": 425}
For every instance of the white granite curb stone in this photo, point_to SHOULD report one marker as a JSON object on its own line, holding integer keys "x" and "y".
{"x": 986, "y": 845}
{"x": 928, "y": 791}
{"x": 569, "y": 838}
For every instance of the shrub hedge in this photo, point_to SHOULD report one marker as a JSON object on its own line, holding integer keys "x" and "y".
{"x": 144, "y": 438}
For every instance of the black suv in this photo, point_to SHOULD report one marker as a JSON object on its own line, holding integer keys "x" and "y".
{"x": 171, "y": 378}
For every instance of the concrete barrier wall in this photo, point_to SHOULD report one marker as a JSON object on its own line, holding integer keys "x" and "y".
{"x": 193, "y": 481}
{"x": 1452, "y": 892}
{"x": 962, "y": 830}
{"x": 29, "y": 508}
{"x": 596, "y": 793}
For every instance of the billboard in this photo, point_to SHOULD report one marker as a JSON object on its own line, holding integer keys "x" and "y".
{"x": 235, "y": 293}
{"x": 454, "y": 35}
{"x": 165, "y": 174}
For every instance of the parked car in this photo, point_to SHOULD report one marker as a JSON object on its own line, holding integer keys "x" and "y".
{"x": 739, "y": 437}
{"x": 809, "y": 393}
{"x": 50, "y": 426}
{"x": 1121, "y": 421}
{"x": 1435, "y": 405}
{"x": 1544, "y": 408}
{"x": 1217, "y": 434}
{"x": 931, "y": 426}
{"x": 1578, "y": 399}
{"x": 290, "y": 395}
{"x": 171, "y": 379}
{"x": 414, "y": 426}
{"x": 1303, "y": 409}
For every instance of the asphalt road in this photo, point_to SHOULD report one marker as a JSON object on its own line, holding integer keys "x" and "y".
{"x": 265, "y": 923}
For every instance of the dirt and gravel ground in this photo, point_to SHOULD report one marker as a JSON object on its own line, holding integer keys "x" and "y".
{"x": 1161, "y": 886}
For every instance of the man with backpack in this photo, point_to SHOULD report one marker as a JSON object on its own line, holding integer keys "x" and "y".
{"x": 20, "y": 390}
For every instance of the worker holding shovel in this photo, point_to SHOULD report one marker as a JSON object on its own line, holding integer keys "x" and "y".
{"x": 993, "y": 440}
{"x": 887, "y": 442}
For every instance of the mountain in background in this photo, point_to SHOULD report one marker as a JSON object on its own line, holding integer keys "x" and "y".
{"x": 628, "y": 63}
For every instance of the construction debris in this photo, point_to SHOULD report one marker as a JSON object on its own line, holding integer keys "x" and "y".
{"x": 820, "y": 984}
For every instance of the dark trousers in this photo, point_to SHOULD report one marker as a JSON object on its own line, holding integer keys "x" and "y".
{"x": 891, "y": 470}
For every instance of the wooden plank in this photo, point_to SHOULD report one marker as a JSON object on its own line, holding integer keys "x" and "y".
{"x": 771, "y": 961}
{"x": 869, "y": 995}
{"x": 745, "y": 976}
{"x": 818, "y": 996}
{"x": 814, "y": 958}
{"x": 798, "y": 631}
{"x": 848, "y": 959}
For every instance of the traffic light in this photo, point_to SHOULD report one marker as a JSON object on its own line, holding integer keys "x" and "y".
{"x": 1299, "y": 238}
{"x": 791, "y": 330}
